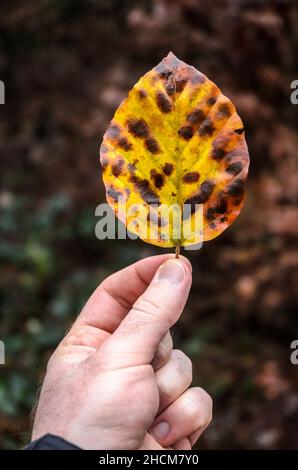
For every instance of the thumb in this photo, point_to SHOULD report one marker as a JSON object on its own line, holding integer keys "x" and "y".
{"x": 136, "y": 339}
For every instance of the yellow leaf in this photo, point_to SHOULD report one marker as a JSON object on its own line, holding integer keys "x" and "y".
{"x": 175, "y": 140}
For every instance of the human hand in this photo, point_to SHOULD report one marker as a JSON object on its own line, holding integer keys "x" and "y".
{"x": 115, "y": 382}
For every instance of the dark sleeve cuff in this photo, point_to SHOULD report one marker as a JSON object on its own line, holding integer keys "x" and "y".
{"x": 50, "y": 442}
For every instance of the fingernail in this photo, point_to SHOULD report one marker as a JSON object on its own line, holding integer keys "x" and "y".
{"x": 161, "y": 430}
{"x": 172, "y": 271}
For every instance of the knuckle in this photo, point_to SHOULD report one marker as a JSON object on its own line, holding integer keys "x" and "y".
{"x": 198, "y": 407}
{"x": 205, "y": 397}
{"x": 192, "y": 411}
{"x": 166, "y": 391}
{"x": 130, "y": 325}
{"x": 183, "y": 363}
{"x": 147, "y": 306}
{"x": 82, "y": 334}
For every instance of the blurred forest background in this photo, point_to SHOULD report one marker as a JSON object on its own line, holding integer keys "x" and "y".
{"x": 66, "y": 66}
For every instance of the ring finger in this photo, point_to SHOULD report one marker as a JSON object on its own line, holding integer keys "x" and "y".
{"x": 189, "y": 415}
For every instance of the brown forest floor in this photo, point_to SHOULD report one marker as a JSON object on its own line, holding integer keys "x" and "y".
{"x": 66, "y": 66}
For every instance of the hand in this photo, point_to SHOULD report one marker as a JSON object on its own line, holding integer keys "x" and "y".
{"x": 115, "y": 381}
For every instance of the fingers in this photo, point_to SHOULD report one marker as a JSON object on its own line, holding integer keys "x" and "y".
{"x": 136, "y": 340}
{"x": 173, "y": 378}
{"x": 109, "y": 304}
{"x": 111, "y": 301}
{"x": 189, "y": 415}
{"x": 91, "y": 338}
{"x": 183, "y": 444}
{"x": 163, "y": 353}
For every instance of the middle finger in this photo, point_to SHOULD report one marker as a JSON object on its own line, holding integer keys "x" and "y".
{"x": 173, "y": 378}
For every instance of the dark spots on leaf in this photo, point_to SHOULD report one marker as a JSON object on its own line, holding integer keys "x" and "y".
{"x": 237, "y": 201}
{"x": 113, "y": 193}
{"x": 219, "y": 147}
{"x": 124, "y": 143}
{"x": 169, "y": 81}
{"x": 211, "y": 213}
{"x": 206, "y": 128}
{"x": 196, "y": 117}
{"x": 212, "y": 100}
{"x": 202, "y": 196}
{"x": 174, "y": 194}
{"x": 170, "y": 88}
{"x": 117, "y": 167}
{"x": 212, "y": 225}
{"x": 180, "y": 84}
{"x": 239, "y": 131}
{"x": 165, "y": 74}
{"x": 236, "y": 188}
{"x": 224, "y": 111}
{"x": 161, "y": 222}
{"x": 234, "y": 168}
{"x": 142, "y": 93}
{"x": 222, "y": 206}
{"x": 168, "y": 168}
{"x": 223, "y": 220}
{"x": 143, "y": 187}
{"x": 218, "y": 154}
{"x": 135, "y": 162}
{"x": 103, "y": 149}
{"x": 131, "y": 168}
{"x": 186, "y": 132}
{"x": 163, "y": 102}
{"x": 206, "y": 189}
{"x": 113, "y": 131}
{"x": 104, "y": 161}
{"x": 152, "y": 145}
{"x": 191, "y": 177}
{"x": 138, "y": 128}
{"x": 158, "y": 178}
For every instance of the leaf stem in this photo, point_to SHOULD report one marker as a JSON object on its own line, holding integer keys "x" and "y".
{"x": 177, "y": 251}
